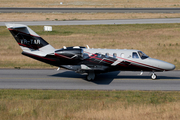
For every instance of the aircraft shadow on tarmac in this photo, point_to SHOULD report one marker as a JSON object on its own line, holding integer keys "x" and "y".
{"x": 107, "y": 78}
{"x": 104, "y": 79}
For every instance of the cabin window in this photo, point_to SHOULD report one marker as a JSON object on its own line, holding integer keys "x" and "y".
{"x": 85, "y": 56}
{"x": 99, "y": 55}
{"x": 114, "y": 55}
{"x": 122, "y": 55}
{"x": 135, "y": 55}
{"x": 107, "y": 55}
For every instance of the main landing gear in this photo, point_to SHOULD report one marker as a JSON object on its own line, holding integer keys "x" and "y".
{"x": 91, "y": 76}
{"x": 153, "y": 76}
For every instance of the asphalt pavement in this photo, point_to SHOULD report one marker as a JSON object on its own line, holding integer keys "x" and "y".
{"x": 64, "y": 79}
{"x": 98, "y": 22}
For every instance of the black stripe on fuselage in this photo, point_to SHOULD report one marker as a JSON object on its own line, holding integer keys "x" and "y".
{"x": 49, "y": 59}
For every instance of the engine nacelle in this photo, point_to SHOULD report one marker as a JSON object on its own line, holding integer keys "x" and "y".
{"x": 71, "y": 53}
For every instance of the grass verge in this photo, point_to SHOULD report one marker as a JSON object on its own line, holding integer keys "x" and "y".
{"x": 159, "y": 41}
{"x": 92, "y": 3}
{"x": 81, "y": 16}
{"x": 78, "y": 104}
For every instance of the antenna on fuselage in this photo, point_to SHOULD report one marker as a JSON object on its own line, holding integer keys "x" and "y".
{"x": 88, "y": 47}
{"x": 64, "y": 47}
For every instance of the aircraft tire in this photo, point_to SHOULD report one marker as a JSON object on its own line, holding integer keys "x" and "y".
{"x": 153, "y": 76}
{"x": 88, "y": 78}
{"x": 91, "y": 76}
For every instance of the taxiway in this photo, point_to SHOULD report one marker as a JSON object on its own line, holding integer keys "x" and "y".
{"x": 98, "y": 22}
{"x": 64, "y": 79}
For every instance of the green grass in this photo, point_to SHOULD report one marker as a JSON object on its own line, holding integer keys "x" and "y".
{"x": 131, "y": 97}
{"x": 101, "y": 29}
{"x": 65, "y": 104}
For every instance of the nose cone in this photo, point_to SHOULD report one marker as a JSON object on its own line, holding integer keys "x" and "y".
{"x": 165, "y": 65}
{"x": 161, "y": 65}
{"x": 170, "y": 66}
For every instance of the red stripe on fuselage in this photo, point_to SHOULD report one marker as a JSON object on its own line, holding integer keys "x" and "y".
{"x": 62, "y": 56}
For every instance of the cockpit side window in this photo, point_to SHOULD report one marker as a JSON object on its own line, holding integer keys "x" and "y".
{"x": 135, "y": 55}
{"x": 142, "y": 55}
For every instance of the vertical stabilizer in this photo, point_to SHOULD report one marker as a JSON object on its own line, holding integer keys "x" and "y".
{"x": 28, "y": 40}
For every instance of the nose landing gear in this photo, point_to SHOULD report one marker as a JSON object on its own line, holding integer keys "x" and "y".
{"x": 153, "y": 76}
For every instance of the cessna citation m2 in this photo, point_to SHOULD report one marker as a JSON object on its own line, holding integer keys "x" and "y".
{"x": 85, "y": 60}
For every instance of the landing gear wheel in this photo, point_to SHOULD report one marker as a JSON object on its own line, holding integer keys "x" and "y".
{"x": 153, "y": 76}
{"x": 91, "y": 76}
{"x": 88, "y": 78}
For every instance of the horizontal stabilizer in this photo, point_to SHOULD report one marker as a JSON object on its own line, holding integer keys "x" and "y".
{"x": 15, "y": 26}
{"x": 21, "y": 28}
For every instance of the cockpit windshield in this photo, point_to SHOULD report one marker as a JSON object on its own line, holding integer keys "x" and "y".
{"x": 142, "y": 55}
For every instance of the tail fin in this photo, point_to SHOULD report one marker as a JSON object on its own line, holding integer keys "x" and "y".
{"x": 28, "y": 40}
